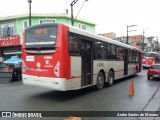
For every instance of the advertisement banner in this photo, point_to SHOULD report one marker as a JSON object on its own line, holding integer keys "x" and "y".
{"x": 10, "y": 41}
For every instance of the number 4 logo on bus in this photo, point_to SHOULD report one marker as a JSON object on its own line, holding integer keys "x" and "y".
{"x": 56, "y": 69}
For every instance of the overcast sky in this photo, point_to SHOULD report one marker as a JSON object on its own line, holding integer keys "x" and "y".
{"x": 109, "y": 15}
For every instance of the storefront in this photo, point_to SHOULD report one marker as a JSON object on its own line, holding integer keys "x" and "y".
{"x": 9, "y": 46}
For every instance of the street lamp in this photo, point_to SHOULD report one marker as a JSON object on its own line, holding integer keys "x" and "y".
{"x": 129, "y": 31}
{"x": 144, "y": 37}
{"x": 29, "y": 1}
{"x": 72, "y": 4}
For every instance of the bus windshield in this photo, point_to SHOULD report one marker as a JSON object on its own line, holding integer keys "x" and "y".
{"x": 41, "y": 37}
{"x": 148, "y": 55}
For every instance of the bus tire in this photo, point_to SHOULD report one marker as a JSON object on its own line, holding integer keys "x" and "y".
{"x": 148, "y": 77}
{"x": 100, "y": 81}
{"x": 110, "y": 78}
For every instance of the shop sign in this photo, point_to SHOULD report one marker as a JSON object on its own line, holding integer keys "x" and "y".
{"x": 10, "y": 41}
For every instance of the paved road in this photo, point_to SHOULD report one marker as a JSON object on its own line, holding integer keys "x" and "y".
{"x": 18, "y": 97}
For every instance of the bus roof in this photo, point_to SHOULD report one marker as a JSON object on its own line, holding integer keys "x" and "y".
{"x": 101, "y": 38}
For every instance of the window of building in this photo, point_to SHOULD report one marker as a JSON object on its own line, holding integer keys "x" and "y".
{"x": 4, "y": 30}
{"x": 7, "y": 29}
{"x": 46, "y": 21}
{"x": 82, "y": 26}
{"x": 25, "y": 24}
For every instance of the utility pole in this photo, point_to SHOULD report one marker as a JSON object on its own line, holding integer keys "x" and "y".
{"x": 129, "y": 31}
{"x": 143, "y": 41}
{"x": 29, "y": 1}
{"x": 144, "y": 38}
{"x": 72, "y": 4}
{"x": 127, "y": 35}
{"x": 157, "y": 45}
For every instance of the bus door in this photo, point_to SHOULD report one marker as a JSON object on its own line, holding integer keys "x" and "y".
{"x": 87, "y": 62}
{"x": 125, "y": 62}
{"x": 139, "y": 61}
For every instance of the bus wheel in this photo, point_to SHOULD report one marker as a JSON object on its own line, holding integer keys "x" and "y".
{"x": 148, "y": 77}
{"x": 110, "y": 78}
{"x": 100, "y": 81}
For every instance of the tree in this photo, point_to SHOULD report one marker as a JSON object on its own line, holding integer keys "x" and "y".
{"x": 157, "y": 48}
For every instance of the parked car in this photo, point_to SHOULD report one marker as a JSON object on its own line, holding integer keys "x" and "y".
{"x": 154, "y": 71}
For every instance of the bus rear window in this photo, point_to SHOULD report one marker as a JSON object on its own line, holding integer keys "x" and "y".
{"x": 41, "y": 37}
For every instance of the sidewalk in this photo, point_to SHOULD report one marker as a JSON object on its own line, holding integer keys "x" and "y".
{"x": 153, "y": 105}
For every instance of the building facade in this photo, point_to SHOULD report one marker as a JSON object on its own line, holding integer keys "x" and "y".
{"x": 11, "y": 29}
{"x": 110, "y": 35}
{"x": 147, "y": 44}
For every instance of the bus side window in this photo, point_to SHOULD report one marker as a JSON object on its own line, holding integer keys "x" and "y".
{"x": 133, "y": 56}
{"x": 83, "y": 49}
{"x": 120, "y": 53}
{"x": 136, "y": 56}
{"x": 108, "y": 51}
{"x": 113, "y": 52}
{"x": 129, "y": 56}
{"x": 103, "y": 50}
{"x": 100, "y": 50}
{"x": 73, "y": 44}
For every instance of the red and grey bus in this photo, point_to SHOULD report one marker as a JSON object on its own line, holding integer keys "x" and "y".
{"x": 150, "y": 58}
{"x": 63, "y": 57}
